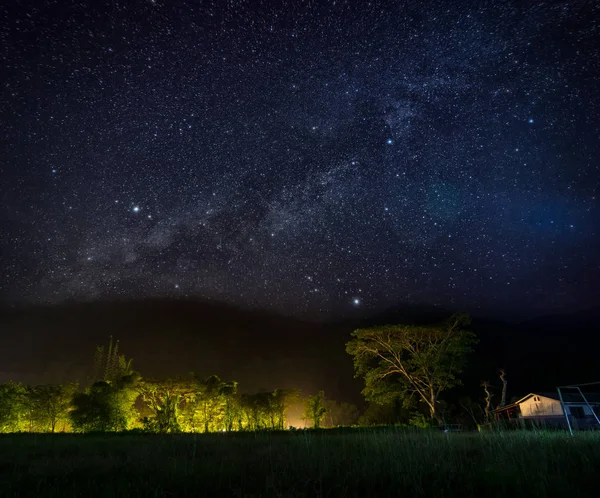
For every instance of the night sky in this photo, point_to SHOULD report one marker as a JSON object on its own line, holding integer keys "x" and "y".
{"x": 311, "y": 158}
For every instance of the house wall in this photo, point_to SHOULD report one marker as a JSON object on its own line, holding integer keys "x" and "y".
{"x": 586, "y": 408}
{"x": 540, "y": 406}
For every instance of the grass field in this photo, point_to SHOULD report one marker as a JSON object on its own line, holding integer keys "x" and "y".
{"x": 334, "y": 463}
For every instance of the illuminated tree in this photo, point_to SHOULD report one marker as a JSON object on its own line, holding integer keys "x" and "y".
{"x": 210, "y": 405}
{"x": 314, "y": 409}
{"x": 105, "y": 406}
{"x": 255, "y": 410}
{"x": 165, "y": 400}
{"x": 279, "y": 404}
{"x": 13, "y": 412}
{"x": 109, "y": 365}
{"x": 108, "y": 404}
{"x": 404, "y": 360}
{"x": 231, "y": 411}
{"x": 48, "y": 406}
{"x": 266, "y": 410}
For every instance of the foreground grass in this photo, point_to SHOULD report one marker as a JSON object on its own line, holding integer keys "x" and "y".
{"x": 357, "y": 463}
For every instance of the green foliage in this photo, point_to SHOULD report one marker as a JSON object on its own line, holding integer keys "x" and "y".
{"x": 210, "y": 405}
{"x": 92, "y": 410}
{"x": 210, "y": 409}
{"x": 190, "y": 405}
{"x": 111, "y": 366}
{"x": 231, "y": 408}
{"x": 105, "y": 406}
{"x": 108, "y": 404}
{"x": 166, "y": 418}
{"x": 255, "y": 411}
{"x": 266, "y": 410}
{"x": 405, "y": 360}
{"x": 164, "y": 400}
{"x": 13, "y": 410}
{"x": 48, "y": 406}
{"x": 390, "y": 413}
{"x": 278, "y": 405}
{"x": 420, "y": 421}
{"x": 314, "y": 409}
{"x": 340, "y": 414}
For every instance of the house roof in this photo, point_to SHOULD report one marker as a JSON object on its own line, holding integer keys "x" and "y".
{"x": 569, "y": 397}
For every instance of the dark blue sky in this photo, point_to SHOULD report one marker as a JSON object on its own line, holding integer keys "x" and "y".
{"x": 310, "y": 158}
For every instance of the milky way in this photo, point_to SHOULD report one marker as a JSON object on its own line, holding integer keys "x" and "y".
{"x": 311, "y": 158}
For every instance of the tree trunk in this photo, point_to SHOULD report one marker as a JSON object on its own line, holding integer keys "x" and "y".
{"x": 435, "y": 415}
{"x": 433, "y": 407}
{"x": 504, "y": 388}
{"x": 488, "y": 401}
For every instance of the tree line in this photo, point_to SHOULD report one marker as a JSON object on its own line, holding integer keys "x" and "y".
{"x": 118, "y": 398}
{"x": 405, "y": 368}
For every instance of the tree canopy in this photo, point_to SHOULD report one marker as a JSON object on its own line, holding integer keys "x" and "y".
{"x": 419, "y": 361}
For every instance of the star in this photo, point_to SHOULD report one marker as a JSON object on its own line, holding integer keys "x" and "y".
{"x": 392, "y": 173}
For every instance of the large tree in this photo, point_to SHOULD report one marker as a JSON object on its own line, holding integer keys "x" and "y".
{"x": 411, "y": 360}
{"x": 164, "y": 399}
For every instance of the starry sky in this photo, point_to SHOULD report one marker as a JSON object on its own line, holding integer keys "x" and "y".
{"x": 311, "y": 158}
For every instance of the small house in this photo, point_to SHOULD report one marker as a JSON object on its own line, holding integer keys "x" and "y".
{"x": 546, "y": 409}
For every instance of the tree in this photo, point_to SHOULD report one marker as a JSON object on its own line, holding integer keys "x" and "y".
{"x": 314, "y": 409}
{"x": 488, "y": 400}
{"x": 164, "y": 399}
{"x": 229, "y": 393}
{"x": 209, "y": 402}
{"x": 278, "y": 406}
{"x": 105, "y": 406}
{"x": 504, "y": 388}
{"x": 408, "y": 360}
{"x": 256, "y": 411}
{"x": 48, "y": 405}
{"x": 13, "y": 412}
{"x": 340, "y": 414}
{"x": 108, "y": 404}
{"x": 110, "y": 366}
{"x": 390, "y": 412}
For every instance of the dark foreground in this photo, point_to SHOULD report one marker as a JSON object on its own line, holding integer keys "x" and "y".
{"x": 357, "y": 463}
